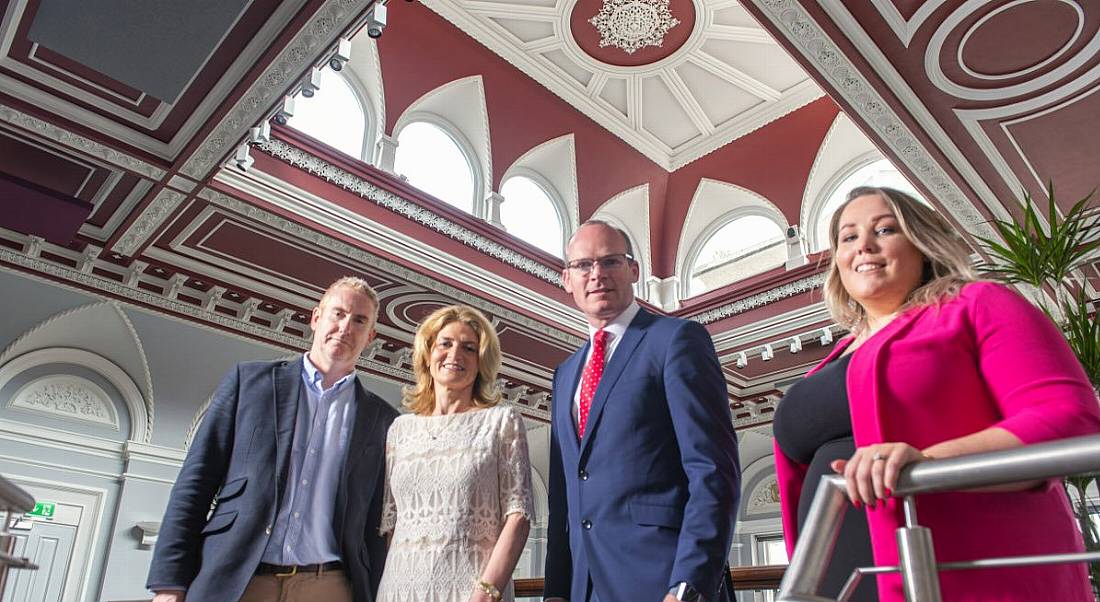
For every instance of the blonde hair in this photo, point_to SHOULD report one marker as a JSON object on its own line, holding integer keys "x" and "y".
{"x": 420, "y": 397}
{"x": 946, "y": 257}
{"x": 357, "y": 284}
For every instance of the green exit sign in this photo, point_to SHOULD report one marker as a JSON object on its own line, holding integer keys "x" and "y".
{"x": 43, "y": 509}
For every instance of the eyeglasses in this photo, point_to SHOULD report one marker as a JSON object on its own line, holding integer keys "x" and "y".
{"x": 606, "y": 263}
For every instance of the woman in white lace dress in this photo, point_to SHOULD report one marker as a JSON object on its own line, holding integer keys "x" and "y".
{"x": 458, "y": 478}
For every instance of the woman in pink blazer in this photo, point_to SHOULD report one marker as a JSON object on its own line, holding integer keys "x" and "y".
{"x": 940, "y": 365}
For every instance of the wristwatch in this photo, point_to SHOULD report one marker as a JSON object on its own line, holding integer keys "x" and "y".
{"x": 685, "y": 592}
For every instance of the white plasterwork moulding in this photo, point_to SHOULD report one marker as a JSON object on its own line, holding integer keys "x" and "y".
{"x": 760, "y": 299}
{"x": 325, "y": 25}
{"x": 331, "y": 173}
{"x": 149, "y": 221}
{"x": 790, "y": 17}
{"x": 67, "y": 396}
{"x": 140, "y": 426}
{"x": 48, "y": 131}
{"x": 631, "y": 25}
{"x": 764, "y": 497}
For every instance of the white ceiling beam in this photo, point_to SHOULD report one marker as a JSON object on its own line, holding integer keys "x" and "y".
{"x": 687, "y": 100}
{"x": 545, "y": 14}
{"x": 736, "y": 76}
{"x": 738, "y": 33}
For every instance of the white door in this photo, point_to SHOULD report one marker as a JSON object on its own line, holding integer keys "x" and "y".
{"x": 48, "y": 545}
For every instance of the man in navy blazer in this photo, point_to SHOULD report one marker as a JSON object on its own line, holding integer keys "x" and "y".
{"x": 643, "y": 496}
{"x": 290, "y": 454}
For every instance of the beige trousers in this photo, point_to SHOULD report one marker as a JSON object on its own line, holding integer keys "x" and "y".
{"x": 331, "y": 586}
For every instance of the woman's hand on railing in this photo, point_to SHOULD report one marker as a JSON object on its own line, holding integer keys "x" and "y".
{"x": 871, "y": 474}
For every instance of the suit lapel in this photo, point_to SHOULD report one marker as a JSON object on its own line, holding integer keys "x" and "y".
{"x": 287, "y": 389}
{"x": 613, "y": 370}
{"x": 571, "y": 375}
{"x": 366, "y": 414}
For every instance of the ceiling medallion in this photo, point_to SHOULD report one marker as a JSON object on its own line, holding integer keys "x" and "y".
{"x": 633, "y": 24}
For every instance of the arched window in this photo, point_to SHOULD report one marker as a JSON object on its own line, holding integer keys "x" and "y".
{"x": 879, "y": 173}
{"x": 433, "y": 162}
{"x": 743, "y": 247}
{"x": 334, "y": 115}
{"x": 530, "y": 213}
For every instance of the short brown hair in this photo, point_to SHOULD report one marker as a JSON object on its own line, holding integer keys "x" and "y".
{"x": 420, "y": 397}
{"x": 946, "y": 256}
{"x": 600, "y": 222}
{"x": 359, "y": 285}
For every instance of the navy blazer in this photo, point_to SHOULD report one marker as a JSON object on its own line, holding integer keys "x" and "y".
{"x": 648, "y": 498}
{"x": 239, "y": 459}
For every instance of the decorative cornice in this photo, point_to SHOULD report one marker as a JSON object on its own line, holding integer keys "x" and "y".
{"x": 48, "y": 131}
{"x": 333, "y": 17}
{"x": 760, "y": 299}
{"x": 149, "y": 221}
{"x": 364, "y": 189}
{"x": 803, "y": 32}
{"x": 356, "y": 254}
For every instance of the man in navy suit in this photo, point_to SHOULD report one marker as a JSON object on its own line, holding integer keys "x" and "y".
{"x": 644, "y": 473}
{"x": 290, "y": 454}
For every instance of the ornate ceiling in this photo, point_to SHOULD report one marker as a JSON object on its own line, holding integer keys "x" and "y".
{"x": 114, "y": 175}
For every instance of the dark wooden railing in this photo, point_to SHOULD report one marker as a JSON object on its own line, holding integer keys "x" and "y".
{"x": 744, "y": 578}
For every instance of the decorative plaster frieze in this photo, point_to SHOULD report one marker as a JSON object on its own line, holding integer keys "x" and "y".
{"x": 849, "y": 83}
{"x": 348, "y": 181}
{"x": 66, "y": 138}
{"x": 67, "y": 396}
{"x": 332, "y": 18}
{"x": 356, "y": 254}
{"x": 764, "y": 497}
{"x": 150, "y": 219}
{"x": 760, "y": 299}
{"x": 631, "y": 25}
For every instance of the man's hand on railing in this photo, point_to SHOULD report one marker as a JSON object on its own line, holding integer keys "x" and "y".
{"x": 170, "y": 596}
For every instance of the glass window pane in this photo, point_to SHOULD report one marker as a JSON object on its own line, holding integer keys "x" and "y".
{"x": 529, "y": 213}
{"x": 742, "y": 248}
{"x": 880, "y": 173}
{"x": 333, "y": 115}
{"x": 433, "y": 162}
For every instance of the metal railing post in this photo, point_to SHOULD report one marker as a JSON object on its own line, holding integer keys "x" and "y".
{"x": 816, "y": 542}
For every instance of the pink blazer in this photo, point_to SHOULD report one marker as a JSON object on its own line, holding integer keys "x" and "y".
{"x": 986, "y": 358}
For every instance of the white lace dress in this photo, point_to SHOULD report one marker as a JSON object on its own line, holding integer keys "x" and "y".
{"x": 450, "y": 483}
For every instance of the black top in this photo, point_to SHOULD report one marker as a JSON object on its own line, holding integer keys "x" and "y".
{"x": 813, "y": 426}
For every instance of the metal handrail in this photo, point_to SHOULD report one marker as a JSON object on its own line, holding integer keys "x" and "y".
{"x": 13, "y": 498}
{"x": 917, "y": 563}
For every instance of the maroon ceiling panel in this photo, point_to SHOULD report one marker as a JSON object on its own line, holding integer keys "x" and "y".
{"x": 33, "y": 209}
{"x": 113, "y": 200}
{"x": 42, "y": 167}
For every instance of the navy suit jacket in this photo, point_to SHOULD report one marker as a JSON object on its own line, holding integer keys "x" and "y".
{"x": 648, "y": 498}
{"x": 240, "y": 459}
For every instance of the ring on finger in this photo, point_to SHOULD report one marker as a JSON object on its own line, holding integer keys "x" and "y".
{"x": 875, "y": 457}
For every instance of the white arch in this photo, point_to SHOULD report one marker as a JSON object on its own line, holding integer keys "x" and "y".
{"x": 458, "y": 108}
{"x": 715, "y": 204}
{"x": 629, "y": 211}
{"x": 103, "y": 329}
{"x": 844, "y": 149}
{"x": 552, "y": 195}
{"x": 555, "y": 161}
{"x": 140, "y": 426}
{"x": 364, "y": 75}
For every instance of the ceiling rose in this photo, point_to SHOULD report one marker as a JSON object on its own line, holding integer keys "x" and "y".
{"x": 633, "y": 24}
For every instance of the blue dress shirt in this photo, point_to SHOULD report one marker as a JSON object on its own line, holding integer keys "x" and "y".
{"x": 303, "y": 532}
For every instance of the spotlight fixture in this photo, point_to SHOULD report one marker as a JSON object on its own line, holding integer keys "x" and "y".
{"x": 242, "y": 159}
{"x": 376, "y": 20}
{"x": 796, "y": 345}
{"x": 768, "y": 353}
{"x": 742, "y": 360}
{"x": 312, "y": 83}
{"x": 260, "y": 134}
{"x": 285, "y": 112}
{"x": 342, "y": 54}
{"x": 826, "y": 337}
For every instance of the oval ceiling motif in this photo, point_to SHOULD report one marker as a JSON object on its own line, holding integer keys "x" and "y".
{"x": 631, "y": 33}
{"x": 993, "y": 49}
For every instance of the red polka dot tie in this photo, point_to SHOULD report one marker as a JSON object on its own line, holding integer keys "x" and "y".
{"x": 590, "y": 379}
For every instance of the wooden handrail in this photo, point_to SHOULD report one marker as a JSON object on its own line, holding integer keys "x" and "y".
{"x": 744, "y": 578}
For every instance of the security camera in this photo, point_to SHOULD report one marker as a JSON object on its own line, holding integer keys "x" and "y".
{"x": 242, "y": 159}
{"x": 341, "y": 56}
{"x": 312, "y": 83}
{"x": 285, "y": 112}
{"x": 792, "y": 234}
{"x": 260, "y": 134}
{"x": 796, "y": 250}
{"x": 376, "y": 20}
